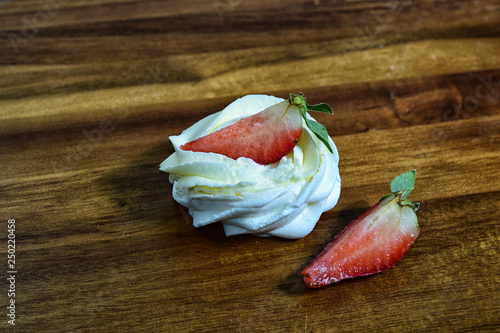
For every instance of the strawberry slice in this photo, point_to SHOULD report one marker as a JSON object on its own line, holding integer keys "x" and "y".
{"x": 265, "y": 137}
{"x": 374, "y": 242}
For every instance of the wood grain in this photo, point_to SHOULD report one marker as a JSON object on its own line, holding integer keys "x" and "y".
{"x": 90, "y": 92}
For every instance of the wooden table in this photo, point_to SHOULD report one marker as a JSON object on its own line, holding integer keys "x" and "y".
{"x": 91, "y": 90}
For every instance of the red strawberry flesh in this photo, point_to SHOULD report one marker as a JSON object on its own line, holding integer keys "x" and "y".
{"x": 264, "y": 137}
{"x": 374, "y": 242}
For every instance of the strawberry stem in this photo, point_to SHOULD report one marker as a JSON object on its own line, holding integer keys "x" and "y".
{"x": 401, "y": 186}
{"x": 319, "y": 130}
{"x": 403, "y": 201}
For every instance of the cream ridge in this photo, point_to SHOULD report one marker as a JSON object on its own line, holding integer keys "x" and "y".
{"x": 283, "y": 199}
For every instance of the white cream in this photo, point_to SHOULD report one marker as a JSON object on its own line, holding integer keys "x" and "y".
{"x": 284, "y": 199}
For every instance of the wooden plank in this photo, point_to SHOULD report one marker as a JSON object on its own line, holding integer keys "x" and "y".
{"x": 86, "y": 108}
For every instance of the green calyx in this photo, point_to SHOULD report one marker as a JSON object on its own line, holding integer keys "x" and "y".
{"x": 319, "y": 130}
{"x": 402, "y": 185}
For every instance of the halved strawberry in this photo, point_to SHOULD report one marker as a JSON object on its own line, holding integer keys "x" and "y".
{"x": 266, "y": 136}
{"x": 374, "y": 242}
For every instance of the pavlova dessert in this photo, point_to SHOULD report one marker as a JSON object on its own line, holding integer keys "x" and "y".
{"x": 261, "y": 166}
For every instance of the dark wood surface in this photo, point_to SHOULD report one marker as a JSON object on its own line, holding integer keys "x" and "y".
{"x": 91, "y": 90}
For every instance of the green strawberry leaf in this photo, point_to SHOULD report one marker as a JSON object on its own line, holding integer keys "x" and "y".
{"x": 321, "y": 107}
{"x": 320, "y": 132}
{"x": 404, "y": 183}
{"x": 386, "y": 196}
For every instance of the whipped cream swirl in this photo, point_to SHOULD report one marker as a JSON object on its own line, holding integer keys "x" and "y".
{"x": 283, "y": 199}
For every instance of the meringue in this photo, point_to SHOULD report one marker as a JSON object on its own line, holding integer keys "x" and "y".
{"x": 283, "y": 199}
